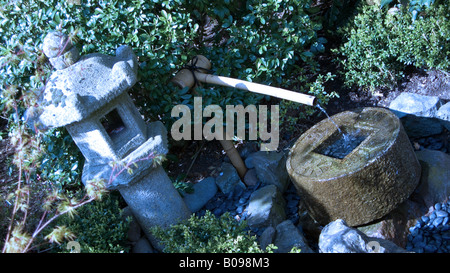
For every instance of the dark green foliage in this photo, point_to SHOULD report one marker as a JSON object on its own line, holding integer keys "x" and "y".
{"x": 208, "y": 234}
{"x": 98, "y": 227}
{"x": 414, "y": 6}
{"x": 379, "y": 46}
{"x": 62, "y": 161}
{"x": 272, "y": 42}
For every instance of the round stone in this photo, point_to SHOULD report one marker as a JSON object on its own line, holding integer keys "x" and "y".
{"x": 67, "y": 59}
{"x": 366, "y": 184}
{"x": 441, "y": 213}
{"x": 55, "y": 44}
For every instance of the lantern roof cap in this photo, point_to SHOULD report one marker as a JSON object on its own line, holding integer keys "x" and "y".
{"x": 75, "y": 92}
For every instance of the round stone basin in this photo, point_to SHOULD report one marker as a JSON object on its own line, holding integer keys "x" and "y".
{"x": 359, "y": 185}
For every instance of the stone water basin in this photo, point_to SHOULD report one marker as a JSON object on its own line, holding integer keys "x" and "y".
{"x": 359, "y": 185}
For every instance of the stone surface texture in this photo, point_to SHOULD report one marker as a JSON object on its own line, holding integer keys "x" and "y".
{"x": 289, "y": 236}
{"x": 90, "y": 98}
{"x": 270, "y": 168}
{"x": 368, "y": 183}
{"x": 415, "y": 104}
{"x": 421, "y": 115}
{"x": 338, "y": 237}
{"x": 74, "y": 93}
{"x": 266, "y": 207}
{"x": 204, "y": 190}
{"x": 228, "y": 179}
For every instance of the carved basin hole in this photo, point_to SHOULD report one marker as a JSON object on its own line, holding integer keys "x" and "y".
{"x": 113, "y": 124}
{"x": 340, "y": 145}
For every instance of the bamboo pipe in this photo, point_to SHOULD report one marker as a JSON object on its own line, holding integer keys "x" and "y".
{"x": 257, "y": 88}
{"x": 234, "y": 157}
{"x": 185, "y": 78}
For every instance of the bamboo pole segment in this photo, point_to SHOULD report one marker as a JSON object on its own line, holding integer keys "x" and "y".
{"x": 188, "y": 78}
{"x": 235, "y": 157}
{"x": 257, "y": 88}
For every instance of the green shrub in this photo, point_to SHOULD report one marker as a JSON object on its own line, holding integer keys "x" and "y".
{"x": 98, "y": 227}
{"x": 272, "y": 42}
{"x": 208, "y": 234}
{"x": 379, "y": 45}
{"x": 414, "y": 6}
{"x": 62, "y": 161}
{"x": 315, "y": 88}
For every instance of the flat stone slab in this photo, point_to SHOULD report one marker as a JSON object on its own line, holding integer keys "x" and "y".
{"x": 203, "y": 192}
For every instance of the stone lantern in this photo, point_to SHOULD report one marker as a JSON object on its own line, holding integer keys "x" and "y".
{"x": 88, "y": 96}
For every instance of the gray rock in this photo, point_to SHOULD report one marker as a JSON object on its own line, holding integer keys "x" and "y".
{"x": 418, "y": 113}
{"x": 267, "y": 237}
{"x": 289, "y": 236}
{"x": 270, "y": 168}
{"x": 434, "y": 184}
{"x": 421, "y": 127}
{"x": 228, "y": 179}
{"x": 415, "y": 104}
{"x": 247, "y": 149}
{"x": 266, "y": 207}
{"x": 203, "y": 192}
{"x": 142, "y": 246}
{"x": 250, "y": 178}
{"x": 55, "y": 44}
{"x": 444, "y": 115}
{"x": 337, "y": 237}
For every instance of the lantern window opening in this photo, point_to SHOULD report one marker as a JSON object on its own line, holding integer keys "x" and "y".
{"x": 113, "y": 124}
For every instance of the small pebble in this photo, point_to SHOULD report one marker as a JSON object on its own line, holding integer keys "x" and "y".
{"x": 418, "y": 250}
{"x": 433, "y": 215}
{"x": 437, "y": 221}
{"x": 240, "y": 209}
{"x": 430, "y": 248}
{"x": 441, "y": 213}
{"x": 217, "y": 212}
{"x": 431, "y": 234}
{"x": 242, "y": 200}
{"x": 417, "y": 239}
{"x": 446, "y": 236}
